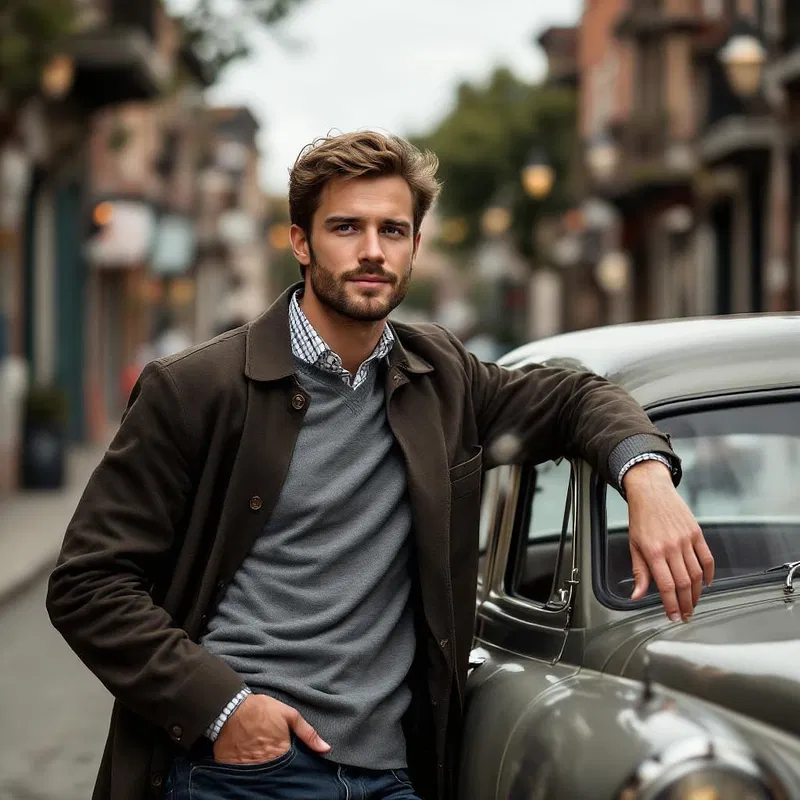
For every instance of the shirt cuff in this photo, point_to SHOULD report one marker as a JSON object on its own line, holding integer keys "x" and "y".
{"x": 212, "y": 732}
{"x": 638, "y": 460}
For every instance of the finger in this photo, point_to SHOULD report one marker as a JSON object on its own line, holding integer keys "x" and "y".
{"x": 683, "y": 584}
{"x": 704, "y": 556}
{"x": 662, "y": 575}
{"x": 641, "y": 574}
{"x": 307, "y": 734}
{"x": 695, "y": 571}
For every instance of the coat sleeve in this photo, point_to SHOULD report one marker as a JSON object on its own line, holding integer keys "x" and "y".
{"x": 115, "y": 546}
{"x": 538, "y": 413}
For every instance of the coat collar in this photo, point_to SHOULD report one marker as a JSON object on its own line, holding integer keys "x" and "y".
{"x": 269, "y": 347}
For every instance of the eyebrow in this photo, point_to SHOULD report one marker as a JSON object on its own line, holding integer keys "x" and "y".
{"x": 342, "y": 220}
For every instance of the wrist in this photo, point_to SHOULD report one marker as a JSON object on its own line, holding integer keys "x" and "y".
{"x": 645, "y": 475}
{"x": 214, "y": 730}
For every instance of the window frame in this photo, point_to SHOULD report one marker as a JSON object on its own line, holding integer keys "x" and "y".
{"x": 515, "y": 614}
{"x": 599, "y": 488}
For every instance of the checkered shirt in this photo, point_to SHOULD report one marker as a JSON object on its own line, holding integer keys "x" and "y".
{"x": 307, "y": 345}
{"x": 212, "y": 731}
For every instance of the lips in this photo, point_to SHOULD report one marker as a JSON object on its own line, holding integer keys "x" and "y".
{"x": 369, "y": 279}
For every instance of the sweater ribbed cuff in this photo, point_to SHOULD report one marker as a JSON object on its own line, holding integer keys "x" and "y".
{"x": 624, "y": 456}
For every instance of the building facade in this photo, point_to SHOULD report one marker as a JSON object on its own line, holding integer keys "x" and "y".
{"x": 690, "y": 155}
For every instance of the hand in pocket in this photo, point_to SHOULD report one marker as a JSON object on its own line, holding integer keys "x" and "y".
{"x": 260, "y": 730}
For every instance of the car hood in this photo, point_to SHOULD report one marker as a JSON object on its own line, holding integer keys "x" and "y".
{"x": 745, "y": 659}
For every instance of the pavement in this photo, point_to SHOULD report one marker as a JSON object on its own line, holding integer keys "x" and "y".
{"x": 33, "y": 523}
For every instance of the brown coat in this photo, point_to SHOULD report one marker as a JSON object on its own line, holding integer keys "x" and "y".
{"x": 196, "y": 469}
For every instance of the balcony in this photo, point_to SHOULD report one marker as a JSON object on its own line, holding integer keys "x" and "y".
{"x": 652, "y": 162}
{"x": 655, "y": 18}
{"x": 115, "y": 55}
{"x": 735, "y": 131}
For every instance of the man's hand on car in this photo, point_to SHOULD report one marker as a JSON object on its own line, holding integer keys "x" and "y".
{"x": 666, "y": 542}
{"x": 260, "y": 730}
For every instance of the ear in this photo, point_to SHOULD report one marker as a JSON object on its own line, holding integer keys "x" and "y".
{"x": 417, "y": 240}
{"x": 300, "y": 245}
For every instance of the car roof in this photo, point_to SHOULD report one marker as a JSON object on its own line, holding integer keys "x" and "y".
{"x": 671, "y": 359}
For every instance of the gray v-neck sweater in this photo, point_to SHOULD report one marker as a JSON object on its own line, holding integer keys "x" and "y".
{"x": 318, "y": 615}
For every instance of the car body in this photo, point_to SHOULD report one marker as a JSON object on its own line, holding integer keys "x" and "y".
{"x": 575, "y": 690}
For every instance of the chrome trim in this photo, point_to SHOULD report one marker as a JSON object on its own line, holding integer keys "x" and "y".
{"x": 660, "y": 771}
{"x": 788, "y": 588}
{"x": 791, "y": 567}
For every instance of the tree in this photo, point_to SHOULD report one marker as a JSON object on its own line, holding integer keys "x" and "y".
{"x": 220, "y": 31}
{"x": 29, "y": 32}
{"x": 483, "y": 144}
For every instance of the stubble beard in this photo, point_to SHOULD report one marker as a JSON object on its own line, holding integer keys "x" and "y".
{"x": 331, "y": 291}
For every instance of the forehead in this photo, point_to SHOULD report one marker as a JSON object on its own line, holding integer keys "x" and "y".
{"x": 384, "y": 197}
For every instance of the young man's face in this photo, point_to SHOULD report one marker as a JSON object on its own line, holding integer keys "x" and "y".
{"x": 362, "y": 248}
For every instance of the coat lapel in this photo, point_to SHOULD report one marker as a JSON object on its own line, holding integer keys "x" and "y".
{"x": 276, "y": 406}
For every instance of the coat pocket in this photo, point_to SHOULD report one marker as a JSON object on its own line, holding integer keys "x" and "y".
{"x": 466, "y": 476}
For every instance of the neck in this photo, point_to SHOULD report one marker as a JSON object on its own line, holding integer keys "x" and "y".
{"x": 352, "y": 340}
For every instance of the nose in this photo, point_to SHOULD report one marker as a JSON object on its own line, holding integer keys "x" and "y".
{"x": 371, "y": 249}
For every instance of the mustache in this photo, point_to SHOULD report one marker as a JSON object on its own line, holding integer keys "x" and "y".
{"x": 371, "y": 272}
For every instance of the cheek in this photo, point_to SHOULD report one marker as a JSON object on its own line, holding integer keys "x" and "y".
{"x": 336, "y": 254}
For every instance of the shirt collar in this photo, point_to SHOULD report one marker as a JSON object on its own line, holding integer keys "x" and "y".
{"x": 308, "y": 345}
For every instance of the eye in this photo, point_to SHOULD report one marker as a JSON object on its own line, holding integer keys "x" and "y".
{"x": 390, "y": 229}
{"x": 344, "y": 227}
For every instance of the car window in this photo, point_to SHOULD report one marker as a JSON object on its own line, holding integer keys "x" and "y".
{"x": 547, "y": 505}
{"x": 535, "y": 576}
{"x": 741, "y": 478}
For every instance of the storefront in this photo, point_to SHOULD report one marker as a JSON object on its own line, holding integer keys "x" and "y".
{"x": 120, "y": 302}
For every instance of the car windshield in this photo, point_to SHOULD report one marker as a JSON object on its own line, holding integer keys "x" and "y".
{"x": 741, "y": 478}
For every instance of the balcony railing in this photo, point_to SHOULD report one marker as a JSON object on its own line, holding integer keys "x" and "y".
{"x": 656, "y": 17}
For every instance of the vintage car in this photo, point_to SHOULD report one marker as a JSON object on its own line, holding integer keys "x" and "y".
{"x": 575, "y": 690}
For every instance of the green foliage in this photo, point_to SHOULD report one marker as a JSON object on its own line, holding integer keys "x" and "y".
{"x": 29, "y": 32}
{"x": 220, "y": 31}
{"x": 483, "y": 144}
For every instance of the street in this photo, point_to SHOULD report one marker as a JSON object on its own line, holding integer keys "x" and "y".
{"x": 55, "y": 712}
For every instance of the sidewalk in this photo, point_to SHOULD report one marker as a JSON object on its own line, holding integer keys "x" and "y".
{"x": 32, "y": 524}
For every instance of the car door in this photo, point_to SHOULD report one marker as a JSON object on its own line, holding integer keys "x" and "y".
{"x": 525, "y": 598}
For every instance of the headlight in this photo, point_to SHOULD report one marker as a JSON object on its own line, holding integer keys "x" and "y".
{"x": 713, "y": 784}
{"x": 700, "y": 769}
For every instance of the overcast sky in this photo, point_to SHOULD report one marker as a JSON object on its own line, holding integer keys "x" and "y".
{"x": 388, "y": 65}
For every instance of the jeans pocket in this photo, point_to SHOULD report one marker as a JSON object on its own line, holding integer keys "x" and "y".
{"x": 401, "y": 776}
{"x": 212, "y": 779}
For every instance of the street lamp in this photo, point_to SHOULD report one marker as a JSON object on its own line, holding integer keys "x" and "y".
{"x": 743, "y": 58}
{"x": 613, "y": 272}
{"x": 57, "y": 76}
{"x": 538, "y": 175}
{"x": 497, "y": 218}
{"x": 602, "y": 157}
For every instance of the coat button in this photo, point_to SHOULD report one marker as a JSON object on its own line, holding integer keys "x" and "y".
{"x": 298, "y": 401}
{"x": 256, "y": 503}
{"x": 156, "y": 779}
{"x": 444, "y": 643}
{"x": 176, "y": 732}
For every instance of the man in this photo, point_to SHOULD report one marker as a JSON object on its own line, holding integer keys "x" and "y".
{"x": 274, "y": 567}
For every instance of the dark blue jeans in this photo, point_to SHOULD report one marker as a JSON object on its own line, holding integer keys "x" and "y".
{"x": 299, "y": 774}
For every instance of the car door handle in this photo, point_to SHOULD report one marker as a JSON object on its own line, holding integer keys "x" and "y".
{"x": 477, "y": 657}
